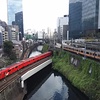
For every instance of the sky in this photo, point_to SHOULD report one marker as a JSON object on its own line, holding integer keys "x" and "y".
{"x": 39, "y": 14}
{"x": 3, "y": 10}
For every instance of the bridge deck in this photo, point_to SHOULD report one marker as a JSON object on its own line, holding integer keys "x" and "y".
{"x": 10, "y": 79}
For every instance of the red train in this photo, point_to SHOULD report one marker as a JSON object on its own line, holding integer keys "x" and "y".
{"x": 24, "y": 63}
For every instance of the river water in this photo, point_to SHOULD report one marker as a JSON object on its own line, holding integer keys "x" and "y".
{"x": 51, "y": 85}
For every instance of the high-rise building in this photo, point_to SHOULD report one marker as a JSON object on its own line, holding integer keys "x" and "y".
{"x": 14, "y": 6}
{"x": 62, "y": 27}
{"x": 19, "y": 22}
{"x": 84, "y": 17}
{"x": 15, "y": 15}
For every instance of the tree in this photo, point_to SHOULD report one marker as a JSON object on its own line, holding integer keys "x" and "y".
{"x": 8, "y": 50}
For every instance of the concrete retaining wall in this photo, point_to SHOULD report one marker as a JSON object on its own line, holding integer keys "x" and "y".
{"x": 13, "y": 92}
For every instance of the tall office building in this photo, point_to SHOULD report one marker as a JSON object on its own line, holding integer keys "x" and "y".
{"x": 15, "y": 15}
{"x": 19, "y": 22}
{"x": 84, "y": 17}
{"x": 62, "y": 27}
{"x": 14, "y": 6}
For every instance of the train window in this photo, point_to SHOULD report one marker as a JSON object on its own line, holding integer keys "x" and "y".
{"x": 95, "y": 54}
{"x": 8, "y": 70}
{"x": 88, "y": 52}
{"x": 99, "y": 55}
{"x": 16, "y": 67}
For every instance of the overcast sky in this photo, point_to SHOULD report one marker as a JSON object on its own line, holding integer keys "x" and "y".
{"x": 3, "y": 10}
{"x": 39, "y": 14}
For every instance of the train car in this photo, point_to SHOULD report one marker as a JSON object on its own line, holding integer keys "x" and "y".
{"x": 3, "y": 73}
{"x": 97, "y": 55}
{"x": 19, "y": 65}
{"x": 90, "y": 53}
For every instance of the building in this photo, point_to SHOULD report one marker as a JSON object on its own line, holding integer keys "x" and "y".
{"x": 84, "y": 18}
{"x": 19, "y": 22}
{"x": 13, "y": 6}
{"x": 15, "y": 15}
{"x": 14, "y": 32}
{"x": 62, "y": 27}
{"x": 3, "y": 35}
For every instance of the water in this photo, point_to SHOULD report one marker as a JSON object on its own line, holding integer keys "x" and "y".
{"x": 35, "y": 53}
{"x": 39, "y": 48}
{"x": 52, "y": 86}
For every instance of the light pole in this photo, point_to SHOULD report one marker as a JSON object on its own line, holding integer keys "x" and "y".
{"x": 61, "y": 42}
{"x": 84, "y": 52}
{"x": 55, "y": 38}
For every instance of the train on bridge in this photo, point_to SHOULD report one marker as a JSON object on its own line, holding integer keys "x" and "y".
{"x": 24, "y": 63}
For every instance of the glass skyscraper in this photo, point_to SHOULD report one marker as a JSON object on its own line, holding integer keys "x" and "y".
{"x": 14, "y": 6}
{"x": 84, "y": 17}
{"x": 15, "y": 15}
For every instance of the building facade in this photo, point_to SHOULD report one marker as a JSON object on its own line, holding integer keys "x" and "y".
{"x": 3, "y": 35}
{"x": 84, "y": 17}
{"x": 14, "y": 32}
{"x": 13, "y": 6}
{"x": 63, "y": 27}
{"x": 15, "y": 15}
{"x": 19, "y": 22}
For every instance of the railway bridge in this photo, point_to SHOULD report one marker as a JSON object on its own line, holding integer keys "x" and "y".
{"x": 12, "y": 79}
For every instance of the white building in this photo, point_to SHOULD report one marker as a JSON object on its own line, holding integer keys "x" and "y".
{"x": 3, "y": 35}
{"x": 14, "y": 32}
{"x": 62, "y": 27}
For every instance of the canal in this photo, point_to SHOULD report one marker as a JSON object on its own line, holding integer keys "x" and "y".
{"x": 51, "y": 85}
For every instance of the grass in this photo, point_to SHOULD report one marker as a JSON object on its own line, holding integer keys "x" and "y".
{"x": 79, "y": 76}
{"x": 45, "y": 48}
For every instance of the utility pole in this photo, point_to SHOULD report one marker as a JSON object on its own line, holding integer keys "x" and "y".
{"x": 55, "y": 38}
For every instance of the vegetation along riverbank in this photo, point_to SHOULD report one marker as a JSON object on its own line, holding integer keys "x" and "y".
{"x": 82, "y": 73}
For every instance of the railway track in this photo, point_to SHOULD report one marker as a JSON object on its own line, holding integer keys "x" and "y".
{"x": 10, "y": 79}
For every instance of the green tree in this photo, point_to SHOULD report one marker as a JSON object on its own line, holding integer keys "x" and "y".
{"x": 8, "y": 50}
{"x": 8, "y": 46}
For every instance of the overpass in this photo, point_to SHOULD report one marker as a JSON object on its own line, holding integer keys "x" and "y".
{"x": 13, "y": 77}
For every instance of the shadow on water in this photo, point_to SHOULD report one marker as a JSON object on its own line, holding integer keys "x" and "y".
{"x": 51, "y": 85}
{"x": 73, "y": 92}
{"x": 35, "y": 82}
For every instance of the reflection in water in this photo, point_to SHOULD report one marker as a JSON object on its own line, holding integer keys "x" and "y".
{"x": 53, "y": 88}
{"x": 35, "y": 53}
{"x": 39, "y": 48}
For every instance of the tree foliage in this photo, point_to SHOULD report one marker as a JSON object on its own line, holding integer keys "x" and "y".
{"x": 8, "y": 50}
{"x": 8, "y": 46}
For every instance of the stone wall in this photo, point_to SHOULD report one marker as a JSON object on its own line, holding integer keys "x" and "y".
{"x": 13, "y": 92}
